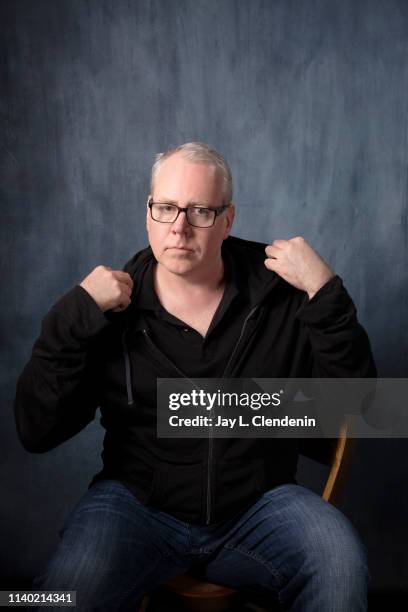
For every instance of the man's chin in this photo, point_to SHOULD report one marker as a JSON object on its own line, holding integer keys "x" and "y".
{"x": 176, "y": 264}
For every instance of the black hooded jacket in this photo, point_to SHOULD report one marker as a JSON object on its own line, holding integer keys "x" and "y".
{"x": 85, "y": 359}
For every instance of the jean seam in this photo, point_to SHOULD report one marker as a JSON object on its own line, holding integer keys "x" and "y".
{"x": 256, "y": 557}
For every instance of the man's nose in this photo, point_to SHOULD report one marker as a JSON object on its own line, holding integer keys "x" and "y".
{"x": 181, "y": 224}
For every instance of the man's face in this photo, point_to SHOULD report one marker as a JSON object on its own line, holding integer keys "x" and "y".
{"x": 181, "y": 248}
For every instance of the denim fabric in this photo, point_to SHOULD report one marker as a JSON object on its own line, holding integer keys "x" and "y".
{"x": 290, "y": 545}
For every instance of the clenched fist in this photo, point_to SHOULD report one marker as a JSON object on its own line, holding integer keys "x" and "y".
{"x": 111, "y": 289}
{"x": 298, "y": 264}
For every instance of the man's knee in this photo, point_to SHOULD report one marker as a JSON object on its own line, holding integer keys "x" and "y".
{"x": 333, "y": 548}
{"x": 96, "y": 588}
{"x": 73, "y": 570}
{"x": 90, "y": 563}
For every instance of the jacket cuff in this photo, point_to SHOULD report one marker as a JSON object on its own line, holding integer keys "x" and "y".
{"x": 331, "y": 303}
{"x": 84, "y": 315}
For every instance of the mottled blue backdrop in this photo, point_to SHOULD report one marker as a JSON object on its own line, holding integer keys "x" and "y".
{"x": 308, "y": 102}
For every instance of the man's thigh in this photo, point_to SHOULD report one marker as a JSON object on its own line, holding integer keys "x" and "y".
{"x": 112, "y": 549}
{"x": 288, "y": 537}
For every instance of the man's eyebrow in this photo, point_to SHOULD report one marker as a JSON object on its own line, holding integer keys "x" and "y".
{"x": 190, "y": 203}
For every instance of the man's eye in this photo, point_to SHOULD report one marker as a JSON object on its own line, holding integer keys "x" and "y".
{"x": 201, "y": 212}
{"x": 165, "y": 208}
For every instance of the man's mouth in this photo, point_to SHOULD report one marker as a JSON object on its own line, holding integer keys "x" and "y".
{"x": 180, "y": 248}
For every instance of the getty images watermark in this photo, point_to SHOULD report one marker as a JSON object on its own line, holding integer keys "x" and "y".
{"x": 284, "y": 408}
{"x": 198, "y": 398}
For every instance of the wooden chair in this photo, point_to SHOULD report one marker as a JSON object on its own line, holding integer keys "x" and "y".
{"x": 195, "y": 595}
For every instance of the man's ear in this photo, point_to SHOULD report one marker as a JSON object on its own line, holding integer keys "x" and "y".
{"x": 229, "y": 218}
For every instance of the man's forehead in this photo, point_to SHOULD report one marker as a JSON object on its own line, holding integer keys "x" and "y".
{"x": 177, "y": 173}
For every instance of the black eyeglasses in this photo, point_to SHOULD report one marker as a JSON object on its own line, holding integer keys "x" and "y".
{"x": 197, "y": 216}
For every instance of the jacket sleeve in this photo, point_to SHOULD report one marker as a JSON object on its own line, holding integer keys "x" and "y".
{"x": 340, "y": 345}
{"x": 57, "y": 391}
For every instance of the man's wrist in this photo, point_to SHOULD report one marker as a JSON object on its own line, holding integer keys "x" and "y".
{"x": 311, "y": 292}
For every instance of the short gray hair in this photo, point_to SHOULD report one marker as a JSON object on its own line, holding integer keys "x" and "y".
{"x": 199, "y": 153}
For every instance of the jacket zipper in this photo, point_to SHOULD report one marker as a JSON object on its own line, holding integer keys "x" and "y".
{"x": 210, "y": 438}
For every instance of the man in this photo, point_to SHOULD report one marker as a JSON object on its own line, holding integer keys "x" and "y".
{"x": 196, "y": 303}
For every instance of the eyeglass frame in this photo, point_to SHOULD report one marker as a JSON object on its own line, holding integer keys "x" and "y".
{"x": 218, "y": 211}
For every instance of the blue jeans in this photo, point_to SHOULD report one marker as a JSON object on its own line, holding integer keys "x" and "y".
{"x": 290, "y": 545}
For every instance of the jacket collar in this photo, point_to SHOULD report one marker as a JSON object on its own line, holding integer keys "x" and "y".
{"x": 244, "y": 260}
{"x": 252, "y": 277}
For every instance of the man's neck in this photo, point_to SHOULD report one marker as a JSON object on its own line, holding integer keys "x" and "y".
{"x": 194, "y": 285}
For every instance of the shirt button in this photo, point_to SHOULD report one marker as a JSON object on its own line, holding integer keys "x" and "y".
{"x": 186, "y": 329}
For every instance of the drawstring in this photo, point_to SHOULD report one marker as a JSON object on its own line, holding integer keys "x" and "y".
{"x": 127, "y": 369}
